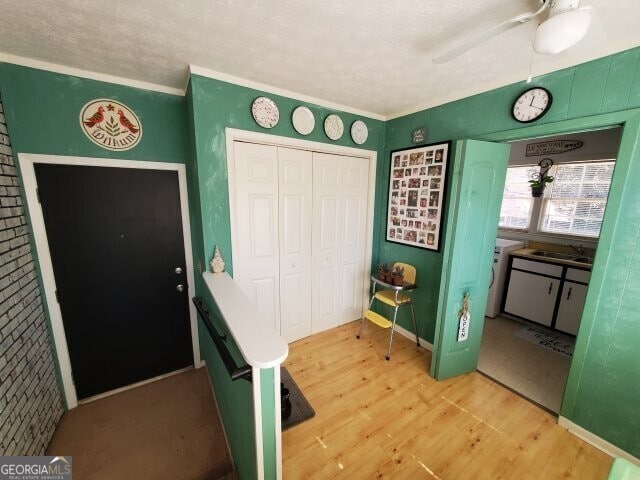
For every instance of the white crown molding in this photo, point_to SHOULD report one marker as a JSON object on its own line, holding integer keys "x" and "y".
{"x": 76, "y": 72}
{"x": 224, "y": 77}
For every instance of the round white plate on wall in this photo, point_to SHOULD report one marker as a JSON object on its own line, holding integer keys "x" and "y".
{"x": 303, "y": 120}
{"x": 265, "y": 112}
{"x": 333, "y": 126}
{"x": 359, "y": 132}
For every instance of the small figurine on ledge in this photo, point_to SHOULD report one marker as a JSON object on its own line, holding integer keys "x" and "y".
{"x": 217, "y": 264}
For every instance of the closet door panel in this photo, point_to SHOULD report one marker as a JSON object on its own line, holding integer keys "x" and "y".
{"x": 327, "y": 214}
{"x": 256, "y": 242}
{"x": 352, "y": 249}
{"x": 295, "y": 184}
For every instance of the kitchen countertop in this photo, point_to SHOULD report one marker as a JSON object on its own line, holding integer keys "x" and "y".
{"x": 528, "y": 254}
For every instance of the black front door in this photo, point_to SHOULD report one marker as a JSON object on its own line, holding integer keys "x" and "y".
{"x": 115, "y": 237}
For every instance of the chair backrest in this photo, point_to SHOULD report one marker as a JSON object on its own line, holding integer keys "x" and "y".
{"x": 409, "y": 271}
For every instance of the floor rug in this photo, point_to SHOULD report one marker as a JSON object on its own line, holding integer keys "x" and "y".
{"x": 300, "y": 408}
{"x": 549, "y": 339}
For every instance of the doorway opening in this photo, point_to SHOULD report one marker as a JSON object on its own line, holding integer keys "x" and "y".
{"x": 542, "y": 261}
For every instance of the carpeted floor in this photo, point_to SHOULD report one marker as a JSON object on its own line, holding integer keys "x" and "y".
{"x": 167, "y": 429}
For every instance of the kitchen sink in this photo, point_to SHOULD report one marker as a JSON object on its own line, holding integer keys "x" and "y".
{"x": 583, "y": 259}
{"x": 563, "y": 256}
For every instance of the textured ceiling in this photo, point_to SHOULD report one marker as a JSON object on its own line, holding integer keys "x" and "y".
{"x": 370, "y": 55}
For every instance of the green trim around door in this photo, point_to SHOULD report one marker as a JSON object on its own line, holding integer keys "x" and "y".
{"x": 603, "y": 388}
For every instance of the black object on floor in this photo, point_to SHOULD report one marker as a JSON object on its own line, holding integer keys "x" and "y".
{"x": 300, "y": 408}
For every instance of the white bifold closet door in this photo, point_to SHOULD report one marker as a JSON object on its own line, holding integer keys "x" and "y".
{"x": 340, "y": 188}
{"x": 299, "y": 241}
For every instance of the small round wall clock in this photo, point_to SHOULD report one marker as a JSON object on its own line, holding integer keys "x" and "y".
{"x": 333, "y": 126}
{"x": 531, "y": 105}
{"x": 265, "y": 112}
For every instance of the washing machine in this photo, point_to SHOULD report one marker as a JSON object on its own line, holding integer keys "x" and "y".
{"x": 499, "y": 273}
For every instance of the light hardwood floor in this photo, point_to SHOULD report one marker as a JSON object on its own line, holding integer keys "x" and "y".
{"x": 380, "y": 419}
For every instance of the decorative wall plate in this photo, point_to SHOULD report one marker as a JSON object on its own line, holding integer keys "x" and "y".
{"x": 265, "y": 112}
{"x": 333, "y": 126}
{"x": 359, "y": 132}
{"x": 303, "y": 120}
{"x": 110, "y": 124}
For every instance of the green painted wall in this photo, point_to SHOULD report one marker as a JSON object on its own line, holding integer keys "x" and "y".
{"x": 604, "y": 385}
{"x": 576, "y": 93}
{"x": 42, "y": 110}
{"x": 234, "y": 398}
{"x": 217, "y": 105}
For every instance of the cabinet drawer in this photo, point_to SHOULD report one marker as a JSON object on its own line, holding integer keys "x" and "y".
{"x": 538, "y": 267}
{"x": 578, "y": 275}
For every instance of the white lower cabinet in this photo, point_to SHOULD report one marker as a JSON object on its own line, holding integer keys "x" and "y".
{"x": 572, "y": 300}
{"x": 535, "y": 288}
{"x": 532, "y": 296}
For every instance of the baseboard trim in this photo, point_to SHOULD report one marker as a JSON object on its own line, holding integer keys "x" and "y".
{"x": 412, "y": 336}
{"x": 596, "y": 441}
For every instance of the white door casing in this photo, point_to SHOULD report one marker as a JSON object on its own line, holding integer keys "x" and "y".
{"x": 27, "y": 161}
{"x": 359, "y": 181}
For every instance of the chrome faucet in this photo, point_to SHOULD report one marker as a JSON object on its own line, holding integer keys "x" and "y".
{"x": 579, "y": 249}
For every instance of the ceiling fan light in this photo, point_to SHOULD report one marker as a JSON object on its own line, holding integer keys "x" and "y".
{"x": 562, "y": 31}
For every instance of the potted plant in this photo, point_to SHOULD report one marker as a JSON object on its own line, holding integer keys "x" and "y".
{"x": 397, "y": 276}
{"x": 383, "y": 271}
{"x": 538, "y": 182}
{"x": 540, "y": 179}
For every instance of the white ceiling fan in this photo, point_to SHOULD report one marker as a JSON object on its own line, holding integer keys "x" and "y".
{"x": 567, "y": 25}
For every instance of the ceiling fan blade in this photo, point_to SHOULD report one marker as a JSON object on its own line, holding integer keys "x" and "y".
{"x": 488, "y": 34}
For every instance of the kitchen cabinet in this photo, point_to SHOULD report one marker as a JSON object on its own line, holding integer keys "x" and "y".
{"x": 571, "y": 305}
{"x": 532, "y": 296}
{"x": 546, "y": 293}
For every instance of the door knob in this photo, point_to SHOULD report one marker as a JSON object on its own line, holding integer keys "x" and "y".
{"x": 178, "y": 270}
{"x": 294, "y": 264}
{"x": 180, "y": 288}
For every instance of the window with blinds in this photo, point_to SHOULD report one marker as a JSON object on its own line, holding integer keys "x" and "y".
{"x": 516, "y": 202}
{"x": 574, "y": 203}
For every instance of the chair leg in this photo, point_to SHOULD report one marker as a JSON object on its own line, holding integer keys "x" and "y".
{"x": 363, "y": 320}
{"x": 415, "y": 327}
{"x": 393, "y": 327}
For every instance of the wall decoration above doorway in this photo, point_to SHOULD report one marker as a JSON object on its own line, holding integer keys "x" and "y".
{"x": 333, "y": 127}
{"x": 359, "y": 132}
{"x": 416, "y": 195}
{"x": 110, "y": 124}
{"x": 303, "y": 120}
{"x": 265, "y": 112}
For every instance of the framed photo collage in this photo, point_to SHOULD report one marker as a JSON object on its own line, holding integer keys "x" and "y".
{"x": 416, "y": 195}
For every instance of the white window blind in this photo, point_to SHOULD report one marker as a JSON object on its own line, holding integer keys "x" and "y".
{"x": 516, "y": 202}
{"x": 574, "y": 203}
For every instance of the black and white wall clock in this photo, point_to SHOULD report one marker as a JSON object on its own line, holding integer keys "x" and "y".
{"x": 531, "y": 105}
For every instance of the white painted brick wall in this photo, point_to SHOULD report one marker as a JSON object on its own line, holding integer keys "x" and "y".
{"x": 30, "y": 400}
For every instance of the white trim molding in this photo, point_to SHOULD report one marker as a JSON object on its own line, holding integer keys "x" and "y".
{"x": 77, "y": 72}
{"x": 596, "y": 441}
{"x": 26, "y": 162}
{"x": 225, "y": 77}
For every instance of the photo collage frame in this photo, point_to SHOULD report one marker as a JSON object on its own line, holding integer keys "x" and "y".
{"x": 416, "y": 195}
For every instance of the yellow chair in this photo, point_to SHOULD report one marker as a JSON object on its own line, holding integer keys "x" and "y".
{"x": 394, "y": 297}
